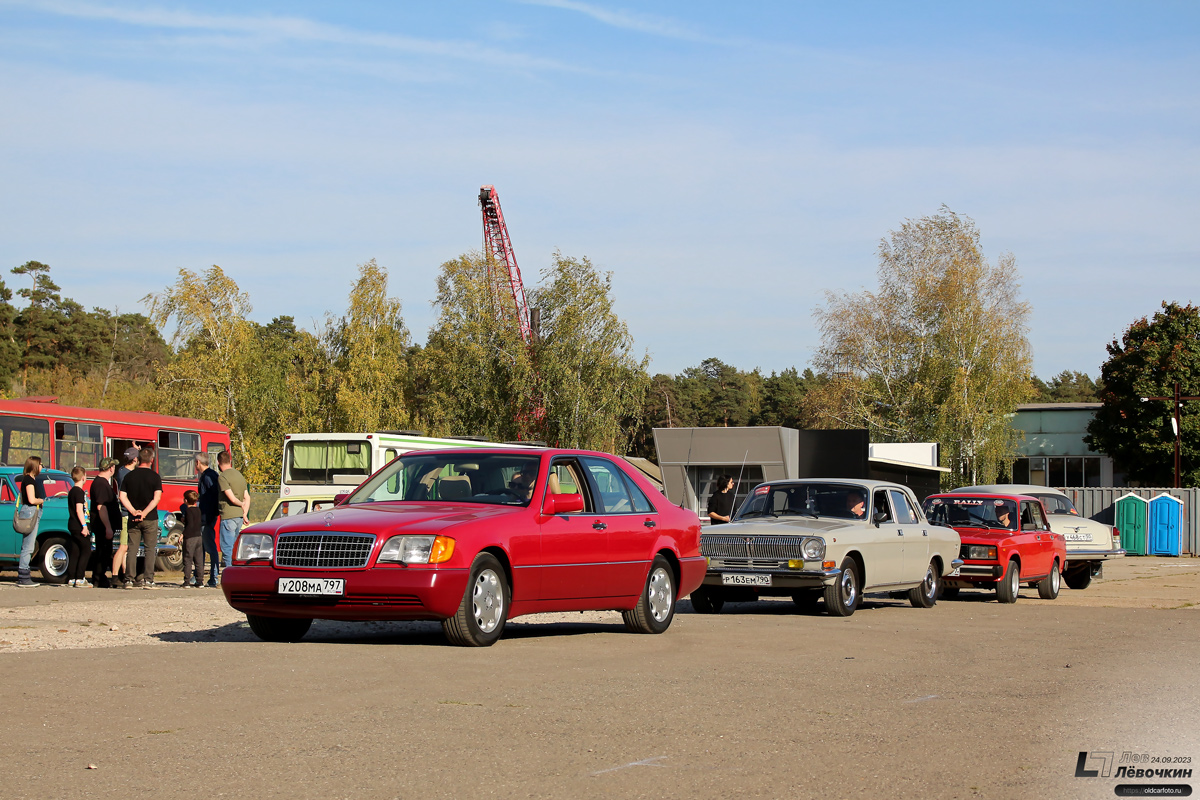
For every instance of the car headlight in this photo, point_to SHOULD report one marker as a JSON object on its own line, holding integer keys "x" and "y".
{"x": 981, "y": 552}
{"x": 255, "y": 547}
{"x": 813, "y": 549}
{"x": 416, "y": 550}
{"x": 169, "y": 521}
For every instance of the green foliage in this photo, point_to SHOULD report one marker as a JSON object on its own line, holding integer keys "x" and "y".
{"x": 938, "y": 353}
{"x": 10, "y": 350}
{"x": 1067, "y": 386}
{"x": 1153, "y": 355}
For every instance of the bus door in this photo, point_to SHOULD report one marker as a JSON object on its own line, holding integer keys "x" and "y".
{"x": 116, "y": 447}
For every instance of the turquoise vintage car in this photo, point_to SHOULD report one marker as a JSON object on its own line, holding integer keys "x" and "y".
{"x": 51, "y": 557}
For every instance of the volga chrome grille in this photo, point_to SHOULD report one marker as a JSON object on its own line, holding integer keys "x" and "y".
{"x": 720, "y": 545}
{"x": 323, "y": 550}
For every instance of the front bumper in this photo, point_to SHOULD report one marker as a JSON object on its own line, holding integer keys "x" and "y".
{"x": 370, "y": 594}
{"x": 780, "y": 579}
{"x": 976, "y": 573}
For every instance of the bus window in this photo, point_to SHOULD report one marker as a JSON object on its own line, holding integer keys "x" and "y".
{"x": 77, "y": 444}
{"x": 177, "y": 455}
{"x": 326, "y": 463}
{"x": 22, "y": 437}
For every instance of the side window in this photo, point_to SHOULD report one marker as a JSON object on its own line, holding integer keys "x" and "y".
{"x": 565, "y": 478}
{"x": 880, "y": 506}
{"x": 610, "y": 485}
{"x": 1039, "y": 519}
{"x": 322, "y": 505}
{"x": 641, "y": 503}
{"x": 1031, "y": 517}
{"x": 905, "y": 513}
{"x": 6, "y": 493}
{"x": 389, "y": 456}
{"x": 177, "y": 454}
{"x": 77, "y": 444}
{"x": 290, "y": 508}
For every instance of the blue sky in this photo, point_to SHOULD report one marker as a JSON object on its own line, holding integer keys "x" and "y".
{"x": 729, "y": 163}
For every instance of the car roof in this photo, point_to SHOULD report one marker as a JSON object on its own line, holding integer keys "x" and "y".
{"x": 869, "y": 485}
{"x": 1010, "y": 488}
{"x": 987, "y": 495}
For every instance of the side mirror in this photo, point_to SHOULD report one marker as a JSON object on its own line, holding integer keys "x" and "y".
{"x": 1046, "y": 527}
{"x": 561, "y": 504}
{"x": 879, "y": 518}
{"x": 340, "y": 499}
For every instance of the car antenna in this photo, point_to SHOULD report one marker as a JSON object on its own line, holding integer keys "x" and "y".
{"x": 687, "y": 479}
{"x": 739, "y": 481}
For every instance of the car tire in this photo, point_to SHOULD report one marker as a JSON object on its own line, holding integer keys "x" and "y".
{"x": 950, "y": 592}
{"x": 278, "y": 629}
{"x": 844, "y": 595}
{"x": 806, "y": 600}
{"x": 481, "y": 615}
{"x": 656, "y": 605}
{"x": 53, "y": 559}
{"x": 706, "y": 600}
{"x": 1008, "y": 588}
{"x": 1048, "y": 586}
{"x": 171, "y": 562}
{"x": 926, "y": 595}
{"x": 1079, "y": 579}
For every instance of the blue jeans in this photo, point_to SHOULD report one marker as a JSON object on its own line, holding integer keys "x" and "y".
{"x": 28, "y": 542}
{"x": 209, "y": 537}
{"x": 230, "y": 528}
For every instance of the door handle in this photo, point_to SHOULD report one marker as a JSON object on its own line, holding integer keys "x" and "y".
{"x": 649, "y": 523}
{"x": 924, "y": 533}
{"x": 899, "y": 533}
{"x": 600, "y": 526}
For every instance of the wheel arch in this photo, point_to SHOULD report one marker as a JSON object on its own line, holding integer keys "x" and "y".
{"x": 501, "y": 556}
{"x": 856, "y": 556}
{"x": 672, "y": 559}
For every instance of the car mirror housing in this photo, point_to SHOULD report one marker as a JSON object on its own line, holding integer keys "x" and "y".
{"x": 340, "y": 499}
{"x": 562, "y": 504}
{"x": 878, "y": 518}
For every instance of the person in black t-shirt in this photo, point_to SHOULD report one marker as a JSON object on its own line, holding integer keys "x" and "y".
{"x": 140, "y": 494}
{"x": 105, "y": 522}
{"x": 30, "y": 497}
{"x": 79, "y": 546}
{"x": 720, "y": 502}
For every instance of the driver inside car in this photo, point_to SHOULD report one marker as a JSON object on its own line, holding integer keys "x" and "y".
{"x": 521, "y": 485}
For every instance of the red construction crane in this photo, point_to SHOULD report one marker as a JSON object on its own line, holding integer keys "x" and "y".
{"x": 499, "y": 251}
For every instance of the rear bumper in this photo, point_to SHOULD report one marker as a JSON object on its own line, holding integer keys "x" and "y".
{"x": 370, "y": 594}
{"x": 691, "y": 574}
{"x": 1093, "y": 555}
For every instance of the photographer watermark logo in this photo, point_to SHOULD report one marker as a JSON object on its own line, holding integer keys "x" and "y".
{"x": 1097, "y": 763}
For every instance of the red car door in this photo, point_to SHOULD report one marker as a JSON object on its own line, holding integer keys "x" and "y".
{"x": 574, "y": 552}
{"x": 1037, "y": 546}
{"x": 632, "y": 524}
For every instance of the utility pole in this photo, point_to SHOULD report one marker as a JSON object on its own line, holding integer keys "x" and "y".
{"x": 1175, "y": 423}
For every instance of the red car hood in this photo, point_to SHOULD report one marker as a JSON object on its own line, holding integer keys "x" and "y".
{"x": 984, "y": 535}
{"x": 432, "y": 518}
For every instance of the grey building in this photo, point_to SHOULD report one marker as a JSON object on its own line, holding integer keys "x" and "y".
{"x": 1054, "y": 453}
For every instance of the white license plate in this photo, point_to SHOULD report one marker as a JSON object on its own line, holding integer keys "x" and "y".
{"x": 312, "y": 586}
{"x": 746, "y": 580}
{"x": 1078, "y": 537}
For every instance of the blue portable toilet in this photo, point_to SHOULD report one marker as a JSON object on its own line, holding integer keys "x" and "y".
{"x": 1166, "y": 526}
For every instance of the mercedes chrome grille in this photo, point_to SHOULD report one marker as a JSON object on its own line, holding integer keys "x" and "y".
{"x": 323, "y": 550}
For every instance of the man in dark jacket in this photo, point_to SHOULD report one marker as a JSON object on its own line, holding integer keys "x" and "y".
{"x": 207, "y": 479}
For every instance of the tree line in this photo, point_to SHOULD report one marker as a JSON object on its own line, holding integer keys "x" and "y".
{"x": 938, "y": 352}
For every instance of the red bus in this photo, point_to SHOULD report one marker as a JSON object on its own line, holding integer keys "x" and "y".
{"x": 64, "y": 436}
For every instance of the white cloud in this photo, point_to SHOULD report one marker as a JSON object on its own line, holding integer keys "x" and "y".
{"x": 627, "y": 20}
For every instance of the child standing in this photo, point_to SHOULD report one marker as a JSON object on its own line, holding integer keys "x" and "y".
{"x": 79, "y": 546}
{"x": 193, "y": 545}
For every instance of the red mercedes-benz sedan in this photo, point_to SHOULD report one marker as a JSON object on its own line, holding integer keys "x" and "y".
{"x": 473, "y": 538}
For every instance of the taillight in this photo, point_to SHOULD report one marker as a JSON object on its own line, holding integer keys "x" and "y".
{"x": 1116, "y": 535}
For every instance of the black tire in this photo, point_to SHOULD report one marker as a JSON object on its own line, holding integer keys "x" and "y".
{"x": 1048, "y": 586}
{"x": 481, "y": 615}
{"x": 843, "y": 596}
{"x": 278, "y": 629}
{"x": 950, "y": 592}
{"x": 172, "y": 562}
{"x": 1008, "y": 588}
{"x": 926, "y": 595}
{"x": 53, "y": 559}
{"x": 1079, "y": 579}
{"x": 806, "y": 600}
{"x": 707, "y": 600}
{"x": 656, "y": 606}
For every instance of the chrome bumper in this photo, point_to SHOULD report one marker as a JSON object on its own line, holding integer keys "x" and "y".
{"x": 1092, "y": 555}
{"x": 780, "y": 578}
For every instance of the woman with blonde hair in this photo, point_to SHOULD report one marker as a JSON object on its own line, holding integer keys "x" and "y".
{"x": 29, "y": 497}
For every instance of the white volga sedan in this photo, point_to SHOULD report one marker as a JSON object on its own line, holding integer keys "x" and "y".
{"x": 826, "y": 539}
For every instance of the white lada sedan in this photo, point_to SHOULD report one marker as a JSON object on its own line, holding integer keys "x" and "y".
{"x": 827, "y": 539}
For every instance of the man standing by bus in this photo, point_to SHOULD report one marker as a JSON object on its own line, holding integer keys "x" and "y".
{"x": 141, "y": 492}
{"x": 234, "y": 504}
{"x": 207, "y": 486}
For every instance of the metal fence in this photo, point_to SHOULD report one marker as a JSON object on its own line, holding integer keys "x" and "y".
{"x": 1097, "y": 503}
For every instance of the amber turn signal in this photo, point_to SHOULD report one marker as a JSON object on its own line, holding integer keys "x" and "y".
{"x": 827, "y": 564}
{"x": 442, "y": 549}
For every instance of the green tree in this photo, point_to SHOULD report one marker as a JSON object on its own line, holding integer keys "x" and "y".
{"x": 784, "y": 399}
{"x": 39, "y": 326}
{"x": 10, "y": 351}
{"x": 1067, "y": 386}
{"x": 371, "y": 345}
{"x": 590, "y": 381}
{"x": 1153, "y": 355}
{"x": 938, "y": 353}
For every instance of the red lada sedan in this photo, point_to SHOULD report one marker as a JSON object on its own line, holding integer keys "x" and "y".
{"x": 473, "y": 538}
{"x": 1006, "y": 541}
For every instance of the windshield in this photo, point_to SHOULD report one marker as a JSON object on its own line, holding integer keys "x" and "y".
{"x": 491, "y": 478}
{"x": 972, "y": 512}
{"x": 1056, "y": 504}
{"x": 837, "y": 500}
